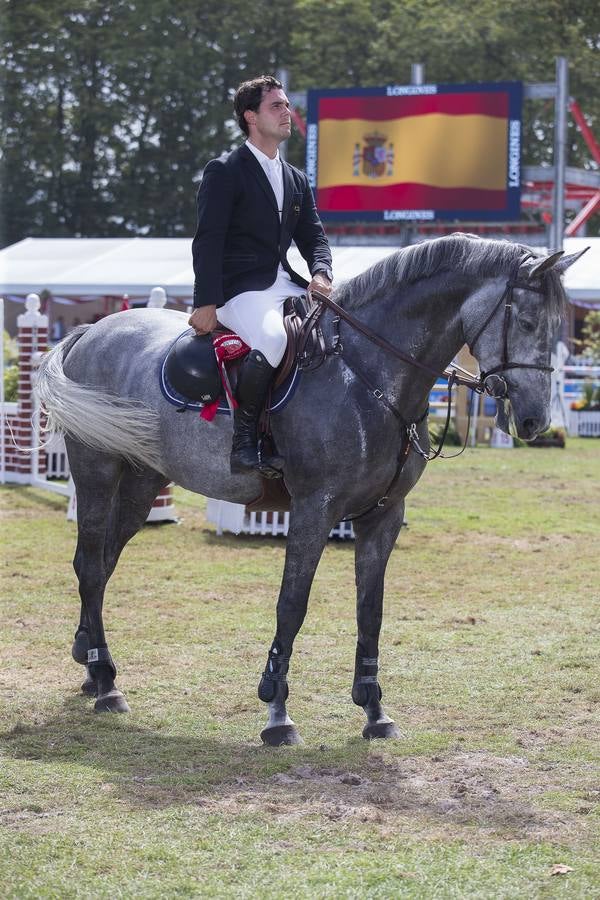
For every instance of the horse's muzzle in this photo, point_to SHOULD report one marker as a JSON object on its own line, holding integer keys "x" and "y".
{"x": 524, "y": 424}
{"x": 529, "y": 428}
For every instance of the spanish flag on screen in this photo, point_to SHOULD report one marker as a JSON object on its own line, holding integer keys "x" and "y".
{"x": 446, "y": 151}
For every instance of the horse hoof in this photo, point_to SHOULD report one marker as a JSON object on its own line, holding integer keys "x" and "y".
{"x": 279, "y": 735}
{"x": 89, "y": 688}
{"x": 381, "y": 730}
{"x": 114, "y": 701}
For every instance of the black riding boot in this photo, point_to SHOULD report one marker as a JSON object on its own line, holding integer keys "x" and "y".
{"x": 252, "y": 388}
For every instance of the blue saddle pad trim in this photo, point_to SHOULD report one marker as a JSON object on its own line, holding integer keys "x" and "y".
{"x": 280, "y": 398}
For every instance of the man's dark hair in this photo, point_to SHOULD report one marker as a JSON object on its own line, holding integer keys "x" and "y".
{"x": 250, "y": 94}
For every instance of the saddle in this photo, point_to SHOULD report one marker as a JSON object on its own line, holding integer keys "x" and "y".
{"x": 188, "y": 374}
{"x": 197, "y": 371}
{"x": 305, "y": 342}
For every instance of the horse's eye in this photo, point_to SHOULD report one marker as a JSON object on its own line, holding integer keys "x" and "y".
{"x": 526, "y": 325}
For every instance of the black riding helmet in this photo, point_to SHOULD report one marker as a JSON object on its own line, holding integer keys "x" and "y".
{"x": 191, "y": 368}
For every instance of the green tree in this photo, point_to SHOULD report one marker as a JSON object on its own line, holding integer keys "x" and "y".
{"x": 111, "y": 108}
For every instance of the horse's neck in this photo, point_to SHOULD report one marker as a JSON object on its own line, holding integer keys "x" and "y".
{"x": 422, "y": 320}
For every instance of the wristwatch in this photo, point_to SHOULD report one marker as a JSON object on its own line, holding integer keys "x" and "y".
{"x": 326, "y": 272}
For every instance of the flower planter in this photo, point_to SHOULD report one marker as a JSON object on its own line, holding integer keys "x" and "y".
{"x": 548, "y": 441}
{"x": 554, "y": 437}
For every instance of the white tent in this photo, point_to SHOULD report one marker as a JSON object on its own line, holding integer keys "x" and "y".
{"x": 88, "y": 268}
{"x": 582, "y": 281}
{"x": 91, "y": 268}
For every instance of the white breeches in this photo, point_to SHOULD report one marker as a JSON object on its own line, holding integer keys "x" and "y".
{"x": 257, "y": 316}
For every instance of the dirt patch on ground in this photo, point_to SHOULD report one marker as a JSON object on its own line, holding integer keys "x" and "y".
{"x": 457, "y": 791}
{"x": 31, "y": 819}
{"x": 532, "y": 543}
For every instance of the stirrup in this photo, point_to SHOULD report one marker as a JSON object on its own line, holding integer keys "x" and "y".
{"x": 271, "y": 467}
{"x": 269, "y": 472}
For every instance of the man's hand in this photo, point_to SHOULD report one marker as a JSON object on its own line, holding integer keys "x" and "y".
{"x": 204, "y": 319}
{"x": 320, "y": 282}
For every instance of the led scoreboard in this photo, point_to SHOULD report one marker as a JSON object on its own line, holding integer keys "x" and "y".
{"x": 416, "y": 152}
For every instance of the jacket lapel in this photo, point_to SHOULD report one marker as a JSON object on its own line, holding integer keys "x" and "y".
{"x": 257, "y": 171}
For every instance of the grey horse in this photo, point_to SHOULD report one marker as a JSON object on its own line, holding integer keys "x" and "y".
{"x": 354, "y": 437}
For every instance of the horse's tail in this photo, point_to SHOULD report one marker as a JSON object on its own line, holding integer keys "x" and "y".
{"x": 95, "y": 418}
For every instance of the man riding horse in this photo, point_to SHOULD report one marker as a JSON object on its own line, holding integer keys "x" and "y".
{"x": 251, "y": 205}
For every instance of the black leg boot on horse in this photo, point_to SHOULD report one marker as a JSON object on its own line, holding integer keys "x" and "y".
{"x": 253, "y": 385}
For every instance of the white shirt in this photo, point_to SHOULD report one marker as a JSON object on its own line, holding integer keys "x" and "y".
{"x": 273, "y": 171}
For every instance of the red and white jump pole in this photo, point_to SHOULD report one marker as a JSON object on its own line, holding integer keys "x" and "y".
{"x": 18, "y": 430}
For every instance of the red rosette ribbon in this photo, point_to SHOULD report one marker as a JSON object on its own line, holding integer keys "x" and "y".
{"x": 228, "y": 347}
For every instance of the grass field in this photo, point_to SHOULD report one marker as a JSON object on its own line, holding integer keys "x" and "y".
{"x": 489, "y": 666}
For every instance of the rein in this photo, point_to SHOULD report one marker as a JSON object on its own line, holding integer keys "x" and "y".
{"x": 480, "y": 385}
{"x": 409, "y": 428}
{"x": 375, "y": 338}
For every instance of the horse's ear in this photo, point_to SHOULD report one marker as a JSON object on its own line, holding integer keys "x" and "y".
{"x": 547, "y": 262}
{"x": 567, "y": 261}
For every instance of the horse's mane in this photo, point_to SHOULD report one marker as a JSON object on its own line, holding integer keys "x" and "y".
{"x": 464, "y": 253}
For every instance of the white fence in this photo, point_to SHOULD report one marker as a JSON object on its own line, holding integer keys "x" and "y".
{"x": 57, "y": 463}
{"x": 584, "y": 423}
{"x": 233, "y": 517}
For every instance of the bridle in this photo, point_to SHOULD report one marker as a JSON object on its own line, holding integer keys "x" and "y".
{"x": 506, "y": 299}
